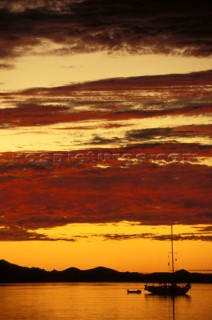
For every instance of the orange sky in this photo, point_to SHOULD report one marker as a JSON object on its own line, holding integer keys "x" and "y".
{"x": 105, "y": 135}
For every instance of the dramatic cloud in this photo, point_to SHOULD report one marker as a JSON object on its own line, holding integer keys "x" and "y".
{"x": 139, "y": 151}
{"x": 150, "y": 194}
{"x": 118, "y": 99}
{"x": 90, "y": 25}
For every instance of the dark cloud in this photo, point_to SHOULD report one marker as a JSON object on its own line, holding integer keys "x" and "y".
{"x": 170, "y": 81}
{"x": 152, "y": 236}
{"x": 135, "y": 26}
{"x": 101, "y": 140}
{"x": 35, "y": 115}
{"x": 123, "y": 236}
{"x": 182, "y": 237}
{"x": 22, "y": 234}
{"x": 6, "y": 66}
{"x": 174, "y": 132}
{"x": 19, "y": 234}
{"x": 205, "y": 229}
{"x": 32, "y": 114}
{"x": 22, "y": 6}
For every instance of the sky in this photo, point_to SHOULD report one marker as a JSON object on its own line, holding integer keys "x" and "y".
{"x": 105, "y": 134}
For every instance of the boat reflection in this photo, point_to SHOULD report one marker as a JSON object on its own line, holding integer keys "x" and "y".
{"x": 172, "y": 301}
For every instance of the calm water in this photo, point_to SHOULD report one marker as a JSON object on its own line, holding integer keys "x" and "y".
{"x": 100, "y": 302}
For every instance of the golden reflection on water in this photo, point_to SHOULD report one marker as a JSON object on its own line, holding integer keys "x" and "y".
{"x": 172, "y": 302}
{"x": 100, "y": 301}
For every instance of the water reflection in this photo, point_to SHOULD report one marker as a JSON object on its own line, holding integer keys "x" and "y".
{"x": 173, "y": 302}
{"x": 99, "y": 301}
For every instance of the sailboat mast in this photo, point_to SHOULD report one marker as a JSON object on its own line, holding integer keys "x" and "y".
{"x": 172, "y": 245}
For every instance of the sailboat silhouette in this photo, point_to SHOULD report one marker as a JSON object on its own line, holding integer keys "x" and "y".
{"x": 170, "y": 289}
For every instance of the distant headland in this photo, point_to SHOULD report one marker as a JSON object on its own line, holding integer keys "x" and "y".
{"x": 12, "y": 273}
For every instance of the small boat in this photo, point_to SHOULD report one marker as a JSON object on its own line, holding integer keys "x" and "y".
{"x": 170, "y": 289}
{"x": 134, "y": 291}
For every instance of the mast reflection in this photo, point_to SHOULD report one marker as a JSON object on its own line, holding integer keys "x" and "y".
{"x": 172, "y": 301}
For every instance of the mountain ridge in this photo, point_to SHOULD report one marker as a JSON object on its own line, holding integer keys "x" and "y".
{"x": 12, "y": 273}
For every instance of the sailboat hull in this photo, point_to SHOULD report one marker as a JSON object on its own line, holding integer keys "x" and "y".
{"x": 168, "y": 290}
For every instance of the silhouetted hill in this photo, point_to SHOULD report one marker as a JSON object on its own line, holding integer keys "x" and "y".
{"x": 12, "y": 273}
{"x": 98, "y": 274}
